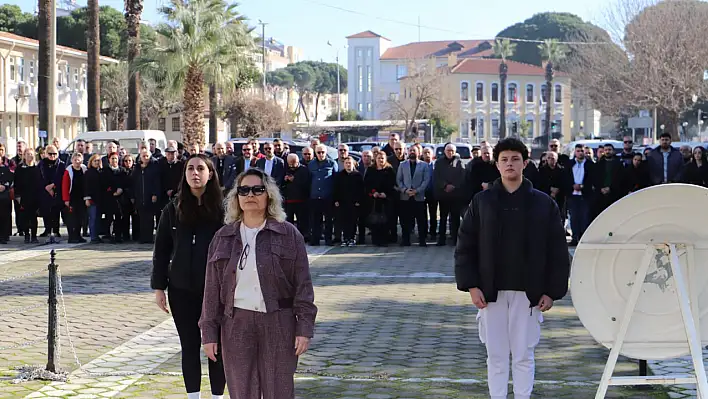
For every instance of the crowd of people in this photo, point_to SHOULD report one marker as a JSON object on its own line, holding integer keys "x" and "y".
{"x": 116, "y": 196}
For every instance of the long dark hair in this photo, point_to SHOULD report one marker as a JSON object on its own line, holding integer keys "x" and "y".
{"x": 212, "y": 209}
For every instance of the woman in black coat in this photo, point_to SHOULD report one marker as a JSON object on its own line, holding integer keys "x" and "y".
{"x": 94, "y": 197}
{"x": 27, "y": 194}
{"x": 379, "y": 187}
{"x": 696, "y": 171}
{"x": 146, "y": 186}
{"x": 348, "y": 196}
{"x": 636, "y": 175}
{"x": 130, "y": 222}
{"x": 112, "y": 185}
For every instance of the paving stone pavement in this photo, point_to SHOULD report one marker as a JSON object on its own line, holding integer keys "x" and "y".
{"x": 391, "y": 325}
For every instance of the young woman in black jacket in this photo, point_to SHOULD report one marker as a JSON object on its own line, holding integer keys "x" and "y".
{"x": 696, "y": 171}
{"x": 348, "y": 196}
{"x": 187, "y": 225}
{"x": 94, "y": 197}
{"x": 26, "y": 195}
{"x": 379, "y": 186}
{"x": 130, "y": 215}
{"x": 112, "y": 185}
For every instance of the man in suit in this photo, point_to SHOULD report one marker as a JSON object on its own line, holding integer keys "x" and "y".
{"x": 272, "y": 165}
{"x": 579, "y": 179}
{"x": 240, "y": 165}
{"x": 412, "y": 178}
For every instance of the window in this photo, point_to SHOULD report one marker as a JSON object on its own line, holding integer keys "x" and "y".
{"x": 368, "y": 79}
{"x": 21, "y": 70}
{"x": 559, "y": 94}
{"x": 76, "y": 78}
{"x": 405, "y": 92}
{"x": 12, "y": 69}
{"x": 161, "y": 124}
{"x": 530, "y": 121}
{"x": 512, "y": 95}
{"x": 368, "y": 53}
{"x": 175, "y": 124}
{"x": 480, "y": 92}
{"x": 529, "y": 94}
{"x": 557, "y": 126}
{"x": 465, "y": 92}
{"x": 67, "y": 72}
{"x": 480, "y": 126}
{"x": 60, "y": 77}
{"x": 401, "y": 71}
{"x": 495, "y": 128}
{"x": 393, "y": 96}
{"x": 84, "y": 78}
{"x": 31, "y": 72}
{"x": 495, "y": 92}
{"x": 465, "y": 129}
{"x": 361, "y": 78}
{"x": 369, "y": 108}
{"x": 544, "y": 93}
{"x": 359, "y": 107}
{"x": 358, "y": 54}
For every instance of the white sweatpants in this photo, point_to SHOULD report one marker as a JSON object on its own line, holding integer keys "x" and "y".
{"x": 510, "y": 326}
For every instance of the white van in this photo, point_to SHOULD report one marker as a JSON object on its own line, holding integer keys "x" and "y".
{"x": 128, "y": 139}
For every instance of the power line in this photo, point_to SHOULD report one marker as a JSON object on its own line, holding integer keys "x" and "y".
{"x": 419, "y": 26}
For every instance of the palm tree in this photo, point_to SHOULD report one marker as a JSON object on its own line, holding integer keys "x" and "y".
{"x": 93, "y": 73}
{"x": 133, "y": 12}
{"x": 503, "y": 49}
{"x": 203, "y": 42}
{"x": 552, "y": 52}
{"x": 45, "y": 90}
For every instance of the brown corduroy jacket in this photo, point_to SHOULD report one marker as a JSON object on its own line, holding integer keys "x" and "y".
{"x": 283, "y": 271}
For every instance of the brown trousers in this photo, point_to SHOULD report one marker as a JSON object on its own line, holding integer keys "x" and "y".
{"x": 259, "y": 354}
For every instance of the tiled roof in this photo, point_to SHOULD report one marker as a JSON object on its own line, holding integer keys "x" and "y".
{"x": 33, "y": 43}
{"x": 490, "y": 66}
{"x": 367, "y": 34}
{"x": 464, "y": 49}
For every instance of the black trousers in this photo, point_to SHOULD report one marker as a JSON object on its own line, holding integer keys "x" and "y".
{"x": 348, "y": 217}
{"x": 114, "y": 221}
{"x": 299, "y": 216}
{"x": 129, "y": 215}
{"x": 75, "y": 219}
{"x": 19, "y": 221}
{"x": 413, "y": 211}
{"x": 321, "y": 208}
{"x": 186, "y": 308}
{"x": 51, "y": 220}
{"x": 452, "y": 209}
{"x": 364, "y": 210}
{"x": 379, "y": 233}
{"x": 432, "y": 205}
{"x": 394, "y": 211}
{"x": 5, "y": 219}
{"x": 26, "y": 215}
{"x": 147, "y": 225}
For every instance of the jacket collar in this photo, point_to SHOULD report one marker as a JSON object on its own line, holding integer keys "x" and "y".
{"x": 498, "y": 187}
{"x": 271, "y": 224}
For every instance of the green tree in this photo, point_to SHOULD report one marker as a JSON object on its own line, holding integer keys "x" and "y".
{"x": 442, "y": 128}
{"x": 304, "y": 78}
{"x": 203, "y": 42}
{"x": 550, "y": 25}
{"x": 347, "y": 115}
{"x": 13, "y": 20}
{"x": 503, "y": 49}
{"x": 552, "y": 53}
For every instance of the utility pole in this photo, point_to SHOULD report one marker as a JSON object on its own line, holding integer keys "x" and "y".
{"x": 263, "y": 46}
{"x": 339, "y": 93}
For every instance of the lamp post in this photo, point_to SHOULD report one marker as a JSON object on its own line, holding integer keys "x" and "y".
{"x": 17, "y": 98}
{"x": 339, "y": 92}
{"x": 685, "y": 126}
{"x": 263, "y": 47}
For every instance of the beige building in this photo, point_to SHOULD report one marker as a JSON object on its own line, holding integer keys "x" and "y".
{"x": 19, "y": 108}
{"x": 278, "y": 55}
{"x": 472, "y": 89}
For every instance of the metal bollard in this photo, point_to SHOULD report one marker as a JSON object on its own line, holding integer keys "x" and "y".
{"x": 53, "y": 325}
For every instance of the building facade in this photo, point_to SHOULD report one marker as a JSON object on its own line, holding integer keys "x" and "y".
{"x": 19, "y": 108}
{"x": 278, "y": 55}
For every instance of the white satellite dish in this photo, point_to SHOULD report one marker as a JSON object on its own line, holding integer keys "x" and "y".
{"x": 639, "y": 281}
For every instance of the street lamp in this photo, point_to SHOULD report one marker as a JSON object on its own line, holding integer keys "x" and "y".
{"x": 17, "y": 98}
{"x": 339, "y": 92}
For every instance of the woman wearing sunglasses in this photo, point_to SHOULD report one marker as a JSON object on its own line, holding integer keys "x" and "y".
{"x": 187, "y": 225}
{"x": 258, "y": 294}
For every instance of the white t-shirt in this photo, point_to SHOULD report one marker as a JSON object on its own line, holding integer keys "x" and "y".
{"x": 248, "y": 294}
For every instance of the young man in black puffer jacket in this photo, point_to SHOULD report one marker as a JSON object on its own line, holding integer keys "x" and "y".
{"x": 512, "y": 258}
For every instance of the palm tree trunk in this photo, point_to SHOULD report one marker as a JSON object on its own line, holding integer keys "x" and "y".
{"x": 304, "y": 110}
{"x": 133, "y": 12}
{"x": 93, "y": 78}
{"x": 46, "y": 25}
{"x": 317, "y": 105}
{"x": 502, "y": 99}
{"x": 193, "y": 113}
{"x": 213, "y": 122}
{"x": 549, "y": 87}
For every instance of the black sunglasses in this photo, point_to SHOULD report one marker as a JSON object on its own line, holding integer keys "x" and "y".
{"x": 52, "y": 153}
{"x": 320, "y": 152}
{"x": 256, "y": 190}
{"x": 628, "y": 142}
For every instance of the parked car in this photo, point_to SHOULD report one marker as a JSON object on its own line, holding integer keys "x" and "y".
{"x": 128, "y": 139}
{"x": 361, "y": 146}
{"x": 569, "y": 148}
